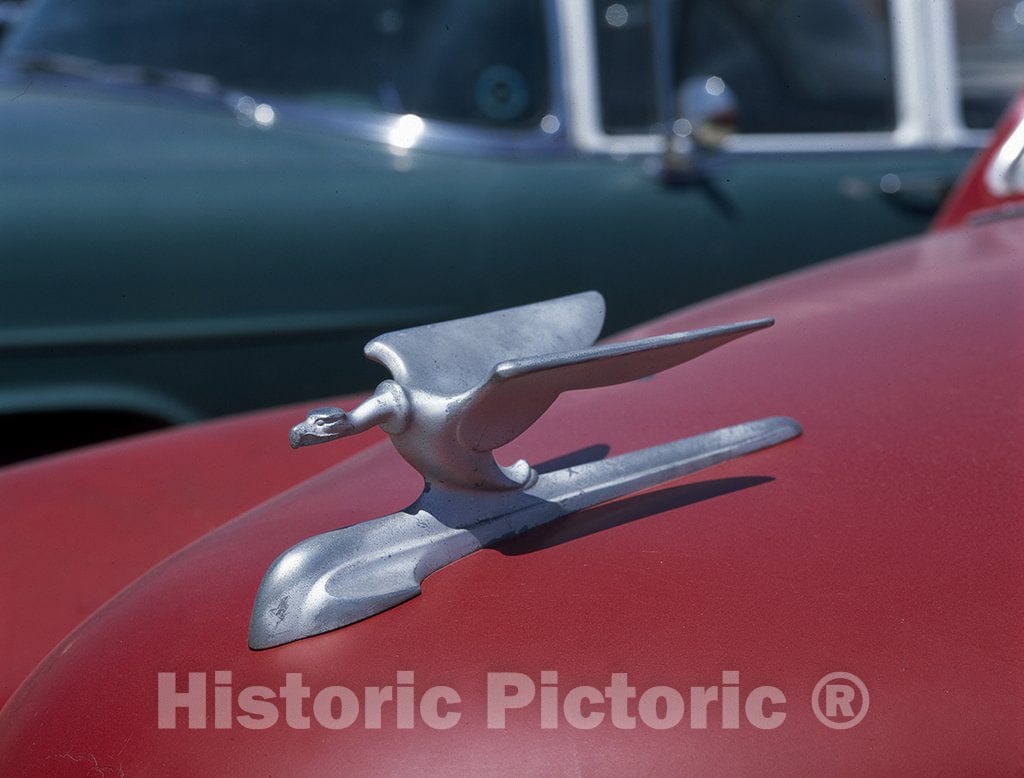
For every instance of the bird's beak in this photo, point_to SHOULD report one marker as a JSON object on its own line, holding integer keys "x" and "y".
{"x": 330, "y": 424}
{"x": 299, "y": 436}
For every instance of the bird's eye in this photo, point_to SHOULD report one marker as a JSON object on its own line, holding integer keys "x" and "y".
{"x": 320, "y": 422}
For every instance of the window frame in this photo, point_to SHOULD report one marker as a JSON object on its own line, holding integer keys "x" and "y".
{"x": 926, "y": 91}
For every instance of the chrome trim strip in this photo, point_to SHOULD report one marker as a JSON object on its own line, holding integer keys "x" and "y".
{"x": 556, "y": 67}
{"x": 1003, "y": 175}
{"x": 436, "y": 135}
{"x": 927, "y": 89}
{"x": 813, "y": 142}
{"x": 579, "y": 55}
{"x": 337, "y": 578}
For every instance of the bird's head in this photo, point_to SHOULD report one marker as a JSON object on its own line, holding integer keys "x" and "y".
{"x": 320, "y": 426}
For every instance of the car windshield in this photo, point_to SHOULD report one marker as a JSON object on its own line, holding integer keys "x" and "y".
{"x": 462, "y": 60}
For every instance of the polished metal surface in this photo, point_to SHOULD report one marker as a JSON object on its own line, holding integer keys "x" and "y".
{"x": 461, "y": 389}
{"x": 1005, "y": 174}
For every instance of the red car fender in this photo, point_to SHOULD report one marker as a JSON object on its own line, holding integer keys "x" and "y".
{"x": 971, "y": 200}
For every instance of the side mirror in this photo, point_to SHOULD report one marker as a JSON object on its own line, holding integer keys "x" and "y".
{"x": 709, "y": 111}
{"x": 702, "y": 110}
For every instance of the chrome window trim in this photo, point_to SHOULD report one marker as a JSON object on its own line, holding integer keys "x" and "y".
{"x": 1003, "y": 171}
{"x": 579, "y": 57}
{"x": 927, "y": 91}
{"x": 927, "y": 87}
{"x": 437, "y": 134}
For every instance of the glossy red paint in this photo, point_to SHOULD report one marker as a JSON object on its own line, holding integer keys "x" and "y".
{"x": 972, "y": 201}
{"x": 886, "y": 542}
{"x": 113, "y": 511}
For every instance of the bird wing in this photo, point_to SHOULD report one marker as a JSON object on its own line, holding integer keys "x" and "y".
{"x": 452, "y": 357}
{"x": 518, "y": 391}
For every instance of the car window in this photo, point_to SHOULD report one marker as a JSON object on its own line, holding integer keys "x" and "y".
{"x": 990, "y": 46}
{"x": 794, "y": 65}
{"x": 454, "y": 59}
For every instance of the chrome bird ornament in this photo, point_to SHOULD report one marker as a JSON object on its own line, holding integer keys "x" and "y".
{"x": 461, "y": 389}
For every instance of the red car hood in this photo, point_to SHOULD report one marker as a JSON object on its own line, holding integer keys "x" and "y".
{"x": 885, "y": 543}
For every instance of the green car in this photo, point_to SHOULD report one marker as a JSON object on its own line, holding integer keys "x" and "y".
{"x": 206, "y": 206}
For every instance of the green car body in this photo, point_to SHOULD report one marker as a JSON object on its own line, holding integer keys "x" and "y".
{"x": 175, "y": 248}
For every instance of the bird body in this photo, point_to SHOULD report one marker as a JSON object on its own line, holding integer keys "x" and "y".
{"x": 463, "y": 388}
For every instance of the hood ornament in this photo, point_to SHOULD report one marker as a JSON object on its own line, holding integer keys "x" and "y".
{"x": 460, "y": 390}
